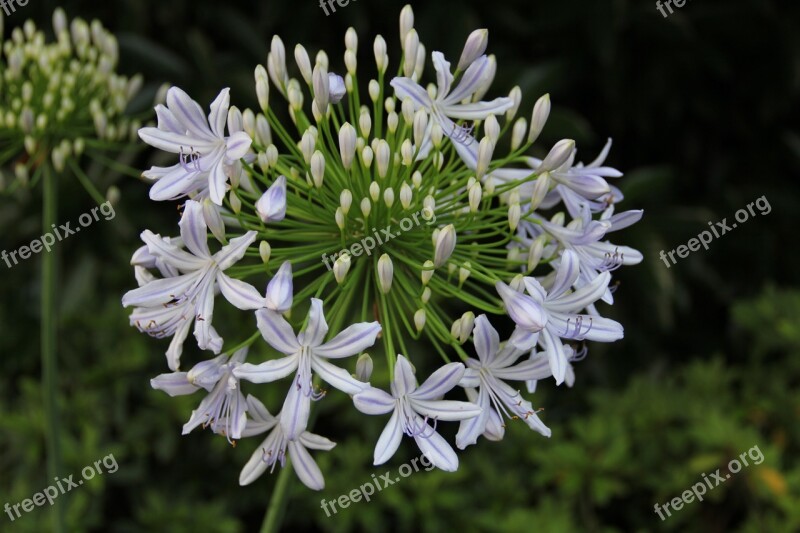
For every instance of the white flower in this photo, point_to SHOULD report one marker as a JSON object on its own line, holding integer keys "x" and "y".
{"x": 274, "y": 448}
{"x": 563, "y": 320}
{"x": 271, "y": 207}
{"x": 304, "y": 353}
{"x": 409, "y": 404}
{"x": 224, "y": 408}
{"x": 166, "y": 307}
{"x": 201, "y": 142}
{"x": 496, "y": 398}
{"x": 447, "y": 104}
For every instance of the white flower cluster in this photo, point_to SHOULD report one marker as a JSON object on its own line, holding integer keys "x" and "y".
{"x": 492, "y": 234}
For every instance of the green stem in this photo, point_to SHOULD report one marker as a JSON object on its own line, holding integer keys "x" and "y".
{"x": 48, "y": 340}
{"x": 278, "y": 501}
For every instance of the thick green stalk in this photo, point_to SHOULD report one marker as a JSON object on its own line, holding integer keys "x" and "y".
{"x": 48, "y": 341}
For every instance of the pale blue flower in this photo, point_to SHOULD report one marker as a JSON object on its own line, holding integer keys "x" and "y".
{"x": 304, "y": 353}
{"x": 496, "y": 398}
{"x": 276, "y": 448}
{"x": 412, "y": 406}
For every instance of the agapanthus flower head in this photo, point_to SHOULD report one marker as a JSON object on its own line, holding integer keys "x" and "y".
{"x": 60, "y": 100}
{"x": 388, "y": 203}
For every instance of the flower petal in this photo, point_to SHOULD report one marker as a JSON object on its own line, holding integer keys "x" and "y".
{"x": 174, "y": 384}
{"x": 408, "y": 88}
{"x": 317, "y": 327}
{"x": 479, "y": 110}
{"x": 234, "y": 251}
{"x": 336, "y": 377}
{"x": 189, "y": 113}
{"x": 447, "y": 410}
{"x": 305, "y": 467}
{"x": 404, "y": 381}
{"x": 277, "y": 331}
{"x": 372, "y": 401}
{"x": 438, "y": 451}
{"x": 440, "y": 382}
{"x": 389, "y": 440}
{"x": 444, "y": 78}
{"x": 238, "y": 145}
{"x": 316, "y": 442}
{"x": 486, "y": 339}
{"x": 194, "y": 231}
{"x": 296, "y": 406}
{"x": 353, "y": 340}
{"x": 567, "y": 273}
{"x": 170, "y": 253}
{"x": 219, "y": 113}
{"x": 268, "y": 371}
{"x": 469, "y": 430}
{"x": 242, "y": 295}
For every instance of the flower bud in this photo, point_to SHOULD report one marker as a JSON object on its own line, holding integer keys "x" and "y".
{"x": 346, "y": 200}
{"x": 265, "y": 251}
{"x": 514, "y": 214}
{"x": 420, "y": 126}
{"x": 271, "y": 207}
{"x": 541, "y": 111}
{"x": 347, "y": 144}
{"x": 280, "y": 289}
{"x": 464, "y": 272}
{"x": 407, "y": 152}
{"x": 341, "y": 267}
{"x": 485, "y": 153}
{"x": 392, "y": 122}
{"x": 374, "y": 191}
{"x": 406, "y": 22}
{"x": 518, "y": 133}
{"x": 540, "y": 189}
{"x": 339, "y": 218}
{"x": 383, "y": 158}
{"x": 491, "y": 128}
{"x": 427, "y": 271}
{"x": 374, "y": 89}
{"x": 426, "y": 295}
{"x": 262, "y": 87}
{"x": 445, "y": 244}
{"x": 336, "y": 88}
{"x": 558, "y": 155}
{"x": 385, "y": 273}
{"x": 410, "y": 46}
{"x": 475, "y": 196}
{"x": 365, "y": 124}
{"x": 236, "y": 204}
{"x": 466, "y": 324}
{"x": 321, "y": 88}
{"x": 388, "y": 197}
{"x": 381, "y": 58}
{"x": 406, "y": 195}
{"x": 367, "y": 156}
{"x": 516, "y": 98}
{"x": 303, "y": 63}
{"x": 366, "y": 207}
{"x": 419, "y": 319}
{"x": 535, "y": 252}
{"x": 318, "y": 168}
{"x": 364, "y": 367}
{"x": 474, "y": 48}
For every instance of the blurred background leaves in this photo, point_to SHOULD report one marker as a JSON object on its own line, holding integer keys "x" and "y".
{"x": 703, "y": 110}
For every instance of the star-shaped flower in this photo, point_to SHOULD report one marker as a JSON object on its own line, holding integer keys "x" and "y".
{"x": 411, "y": 407}
{"x": 497, "y": 399}
{"x": 204, "y": 148}
{"x": 167, "y": 306}
{"x": 224, "y": 408}
{"x": 276, "y": 447}
{"x": 304, "y": 353}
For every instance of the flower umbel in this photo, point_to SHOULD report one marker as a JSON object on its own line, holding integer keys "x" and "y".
{"x": 388, "y": 203}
